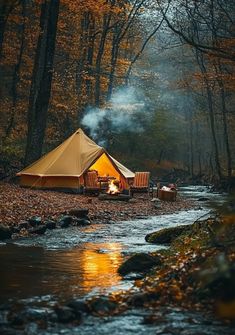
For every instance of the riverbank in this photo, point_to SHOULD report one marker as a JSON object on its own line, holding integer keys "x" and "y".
{"x": 196, "y": 272}
{"x": 171, "y": 294}
{"x": 19, "y": 204}
{"x": 187, "y": 289}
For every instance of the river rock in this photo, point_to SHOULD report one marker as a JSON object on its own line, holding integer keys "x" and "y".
{"x": 3, "y": 318}
{"x": 35, "y": 221}
{"x": 16, "y": 319}
{"x": 133, "y": 276}
{"x": 79, "y": 212}
{"x": 31, "y": 328}
{"x": 65, "y": 314}
{"x": 82, "y": 221}
{"x": 23, "y": 224}
{"x": 156, "y": 202}
{"x": 139, "y": 299}
{"x": 15, "y": 230}
{"x": 79, "y": 306}
{"x": 218, "y": 277}
{"x": 203, "y": 199}
{"x": 31, "y": 314}
{"x": 65, "y": 221}
{"x": 167, "y": 235}
{"x": 110, "y": 222}
{"x": 27, "y": 316}
{"x": 102, "y": 305}
{"x": 154, "y": 319}
{"x": 8, "y": 331}
{"x": 141, "y": 217}
{"x": 139, "y": 263}
{"x": 50, "y": 224}
{"x": 5, "y": 232}
{"x": 39, "y": 230}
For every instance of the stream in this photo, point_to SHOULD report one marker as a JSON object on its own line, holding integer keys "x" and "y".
{"x": 83, "y": 261}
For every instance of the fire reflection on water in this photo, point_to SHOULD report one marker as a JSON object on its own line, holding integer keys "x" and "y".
{"x": 34, "y": 271}
{"x": 98, "y": 264}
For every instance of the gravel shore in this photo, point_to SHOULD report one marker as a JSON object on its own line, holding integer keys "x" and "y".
{"x": 18, "y": 204}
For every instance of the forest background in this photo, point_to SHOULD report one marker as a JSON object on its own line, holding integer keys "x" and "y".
{"x": 151, "y": 81}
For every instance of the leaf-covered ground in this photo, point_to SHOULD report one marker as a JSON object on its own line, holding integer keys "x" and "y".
{"x": 19, "y": 204}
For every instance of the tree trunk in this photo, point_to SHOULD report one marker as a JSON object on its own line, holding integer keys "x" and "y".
{"x": 85, "y": 23}
{"x": 114, "y": 57}
{"x": 41, "y": 81}
{"x": 211, "y": 166}
{"x": 202, "y": 66}
{"x": 4, "y": 12}
{"x": 6, "y": 8}
{"x": 191, "y": 147}
{"x": 225, "y": 124}
{"x": 90, "y": 56}
{"x": 213, "y": 133}
{"x": 199, "y": 163}
{"x": 106, "y": 22}
{"x": 16, "y": 75}
{"x": 160, "y": 157}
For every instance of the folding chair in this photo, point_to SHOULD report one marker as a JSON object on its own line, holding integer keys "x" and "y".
{"x": 91, "y": 184}
{"x": 141, "y": 183}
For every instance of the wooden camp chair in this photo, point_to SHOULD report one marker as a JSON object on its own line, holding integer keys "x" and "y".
{"x": 141, "y": 183}
{"x": 91, "y": 184}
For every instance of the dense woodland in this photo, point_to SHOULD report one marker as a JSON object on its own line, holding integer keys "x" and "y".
{"x": 152, "y": 81}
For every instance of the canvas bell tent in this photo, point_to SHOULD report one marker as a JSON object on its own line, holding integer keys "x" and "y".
{"x": 65, "y": 166}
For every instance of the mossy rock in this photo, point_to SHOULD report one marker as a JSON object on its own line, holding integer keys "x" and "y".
{"x": 167, "y": 235}
{"x": 141, "y": 262}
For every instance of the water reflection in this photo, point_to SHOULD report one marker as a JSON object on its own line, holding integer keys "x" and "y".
{"x": 30, "y": 271}
{"x": 99, "y": 266}
{"x": 67, "y": 262}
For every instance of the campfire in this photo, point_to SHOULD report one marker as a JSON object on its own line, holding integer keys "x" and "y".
{"x": 113, "y": 193}
{"x": 113, "y": 188}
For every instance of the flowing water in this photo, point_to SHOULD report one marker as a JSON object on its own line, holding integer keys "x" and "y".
{"x": 83, "y": 261}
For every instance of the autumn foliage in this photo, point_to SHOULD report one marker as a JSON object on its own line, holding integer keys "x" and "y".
{"x": 94, "y": 45}
{"x": 97, "y": 46}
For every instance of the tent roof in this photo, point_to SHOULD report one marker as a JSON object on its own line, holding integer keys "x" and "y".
{"x": 71, "y": 158}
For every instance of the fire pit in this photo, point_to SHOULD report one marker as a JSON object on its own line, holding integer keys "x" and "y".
{"x": 114, "y": 197}
{"x": 114, "y": 193}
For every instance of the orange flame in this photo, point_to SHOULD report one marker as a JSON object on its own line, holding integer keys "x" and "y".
{"x": 113, "y": 189}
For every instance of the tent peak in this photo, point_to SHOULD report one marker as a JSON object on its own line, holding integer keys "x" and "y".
{"x": 79, "y": 130}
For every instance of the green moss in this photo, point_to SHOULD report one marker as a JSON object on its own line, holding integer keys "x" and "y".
{"x": 167, "y": 235}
